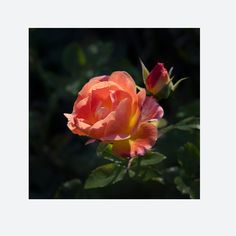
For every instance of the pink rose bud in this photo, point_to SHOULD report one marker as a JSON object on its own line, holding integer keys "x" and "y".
{"x": 157, "y": 79}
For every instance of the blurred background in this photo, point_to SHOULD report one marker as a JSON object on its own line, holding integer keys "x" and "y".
{"x": 61, "y": 61}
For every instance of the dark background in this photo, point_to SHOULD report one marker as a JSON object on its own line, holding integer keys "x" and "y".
{"x": 61, "y": 61}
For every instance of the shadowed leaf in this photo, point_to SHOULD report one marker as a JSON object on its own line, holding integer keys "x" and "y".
{"x": 189, "y": 159}
{"x": 187, "y": 124}
{"x": 69, "y": 189}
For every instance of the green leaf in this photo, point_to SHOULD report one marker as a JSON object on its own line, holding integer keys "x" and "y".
{"x": 145, "y": 168}
{"x": 178, "y": 82}
{"x": 145, "y": 71}
{"x": 105, "y": 150}
{"x": 181, "y": 186}
{"x": 105, "y": 175}
{"x": 170, "y": 173}
{"x": 188, "y": 180}
{"x": 150, "y": 173}
{"x": 131, "y": 173}
{"x": 187, "y": 124}
{"x": 159, "y": 123}
{"x": 189, "y": 159}
{"x": 192, "y": 189}
{"x": 151, "y": 158}
{"x": 166, "y": 91}
{"x": 162, "y": 123}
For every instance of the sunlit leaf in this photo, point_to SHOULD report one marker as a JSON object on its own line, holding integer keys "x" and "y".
{"x": 105, "y": 175}
{"x": 145, "y": 71}
{"x": 151, "y": 158}
{"x": 104, "y": 150}
{"x": 162, "y": 123}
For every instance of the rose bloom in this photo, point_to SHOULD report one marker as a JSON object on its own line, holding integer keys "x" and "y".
{"x": 109, "y": 109}
{"x": 157, "y": 79}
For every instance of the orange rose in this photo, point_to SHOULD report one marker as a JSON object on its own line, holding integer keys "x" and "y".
{"x": 109, "y": 109}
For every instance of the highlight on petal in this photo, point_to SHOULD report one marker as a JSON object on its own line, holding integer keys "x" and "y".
{"x": 143, "y": 139}
{"x": 118, "y": 125}
{"x": 130, "y": 110}
{"x": 90, "y": 141}
{"x": 84, "y": 91}
{"x": 124, "y": 80}
{"x": 104, "y": 84}
{"x": 151, "y": 110}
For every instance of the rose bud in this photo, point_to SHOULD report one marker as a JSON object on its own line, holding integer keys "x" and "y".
{"x": 159, "y": 81}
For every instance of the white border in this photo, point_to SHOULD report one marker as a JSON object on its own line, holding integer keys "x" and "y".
{"x": 208, "y": 216}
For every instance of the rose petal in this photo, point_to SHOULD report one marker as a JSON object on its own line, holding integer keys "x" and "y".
{"x": 122, "y": 115}
{"x": 118, "y": 125}
{"x": 144, "y": 138}
{"x": 131, "y": 111}
{"x": 124, "y": 80}
{"x": 98, "y": 129}
{"x": 82, "y": 125}
{"x": 119, "y": 95}
{"x": 90, "y": 141}
{"x": 141, "y": 97}
{"x": 100, "y": 100}
{"x": 84, "y": 91}
{"x": 82, "y": 109}
{"x": 157, "y": 78}
{"x": 151, "y": 110}
{"x": 72, "y": 125}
